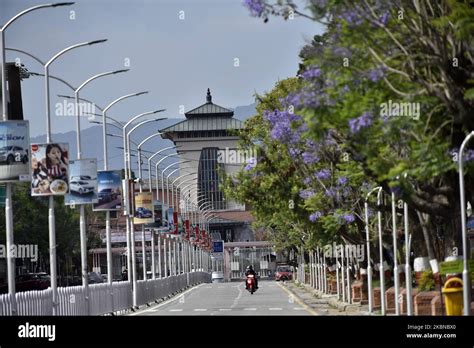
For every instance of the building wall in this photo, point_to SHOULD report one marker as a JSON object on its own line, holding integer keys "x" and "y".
{"x": 190, "y": 149}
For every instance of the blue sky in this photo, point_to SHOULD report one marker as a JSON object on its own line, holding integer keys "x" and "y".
{"x": 175, "y": 59}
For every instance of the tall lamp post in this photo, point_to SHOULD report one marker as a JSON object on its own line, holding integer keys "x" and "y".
{"x": 466, "y": 279}
{"x": 82, "y": 216}
{"x": 8, "y": 198}
{"x": 51, "y": 217}
{"x": 367, "y": 234}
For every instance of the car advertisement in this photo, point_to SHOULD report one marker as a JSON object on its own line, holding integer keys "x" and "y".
{"x": 109, "y": 190}
{"x": 82, "y": 182}
{"x": 14, "y": 151}
{"x": 49, "y": 169}
{"x": 143, "y": 208}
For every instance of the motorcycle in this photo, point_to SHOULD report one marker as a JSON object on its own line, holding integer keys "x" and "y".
{"x": 250, "y": 283}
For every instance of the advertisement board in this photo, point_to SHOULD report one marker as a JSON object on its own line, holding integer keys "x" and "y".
{"x": 143, "y": 208}
{"x": 82, "y": 182}
{"x": 109, "y": 188}
{"x": 14, "y": 151}
{"x": 49, "y": 169}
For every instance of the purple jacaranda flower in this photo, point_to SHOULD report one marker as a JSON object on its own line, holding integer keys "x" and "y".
{"x": 315, "y": 216}
{"x": 305, "y": 194}
{"x": 309, "y": 158}
{"x": 377, "y": 73}
{"x": 323, "y": 174}
{"x": 251, "y": 163}
{"x": 311, "y": 72}
{"x": 363, "y": 121}
{"x": 255, "y": 7}
{"x": 384, "y": 18}
{"x": 348, "y": 218}
{"x": 307, "y": 180}
{"x": 330, "y": 192}
{"x": 342, "y": 180}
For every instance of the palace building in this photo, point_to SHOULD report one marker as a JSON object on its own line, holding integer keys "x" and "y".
{"x": 207, "y": 142}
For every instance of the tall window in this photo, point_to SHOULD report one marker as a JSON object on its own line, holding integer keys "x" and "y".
{"x": 209, "y": 178}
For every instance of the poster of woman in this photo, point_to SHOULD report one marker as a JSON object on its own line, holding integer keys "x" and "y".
{"x": 49, "y": 169}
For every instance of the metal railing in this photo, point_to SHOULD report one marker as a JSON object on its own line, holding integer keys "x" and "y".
{"x": 103, "y": 298}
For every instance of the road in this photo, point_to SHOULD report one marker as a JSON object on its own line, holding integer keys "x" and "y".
{"x": 231, "y": 299}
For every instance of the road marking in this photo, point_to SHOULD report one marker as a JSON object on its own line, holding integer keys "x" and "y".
{"x": 155, "y": 308}
{"x": 305, "y": 306}
{"x": 275, "y": 309}
{"x": 299, "y": 309}
{"x": 225, "y": 309}
{"x": 176, "y": 310}
{"x": 250, "y": 309}
{"x": 200, "y": 310}
{"x": 236, "y": 300}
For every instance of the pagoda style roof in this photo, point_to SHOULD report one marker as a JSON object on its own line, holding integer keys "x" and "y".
{"x": 207, "y": 117}
{"x": 209, "y": 109}
{"x": 204, "y": 124}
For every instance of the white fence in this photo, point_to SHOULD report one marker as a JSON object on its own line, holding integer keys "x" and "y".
{"x": 103, "y": 298}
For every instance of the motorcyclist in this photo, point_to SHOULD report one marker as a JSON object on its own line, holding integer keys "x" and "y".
{"x": 249, "y": 271}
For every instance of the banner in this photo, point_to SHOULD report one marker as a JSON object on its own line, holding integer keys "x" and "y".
{"x": 14, "y": 151}
{"x": 82, "y": 182}
{"x": 50, "y": 169}
{"x": 109, "y": 190}
{"x": 143, "y": 208}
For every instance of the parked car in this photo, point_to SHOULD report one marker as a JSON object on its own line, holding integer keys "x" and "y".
{"x": 32, "y": 281}
{"x": 81, "y": 187}
{"x": 283, "y": 272}
{"x": 12, "y": 154}
{"x": 107, "y": 195}
{"x": 143, "y": 213}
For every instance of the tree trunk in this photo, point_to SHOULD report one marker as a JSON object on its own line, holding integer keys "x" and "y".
{"x": 424, "y": 223}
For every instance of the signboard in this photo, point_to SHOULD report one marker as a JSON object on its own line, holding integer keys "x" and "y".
{"x": 82, "y": 182}
{"x": 455, "y": 267}
{"x": 50, "y": 169}
{"x": 143, "y": 208}
{"x": 121, "y": 237}
{"x": 14, "y": 151}
{"x": 109, "y": 190}
{"x": 218, "y": 246}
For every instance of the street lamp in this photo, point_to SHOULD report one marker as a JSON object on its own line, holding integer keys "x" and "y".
{"x": 127, "y": 135}
{"x": 82, "y": 214}
{"x": 466, "y": 279}
{"x": 395, "y": 253}
{"x": 149, "y": 168}
{"x": 381, "y": 266}
{"x": 8, "y": 193}
{"x": 369, "y": 266}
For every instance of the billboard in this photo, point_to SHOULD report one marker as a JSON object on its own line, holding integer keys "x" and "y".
{"x": 82, "y": 182}
{"x": 109, "y": 188}
{"x": 49, "y": 169}
{"x": 14, "y": 151}
{"x": 143, "y": 208}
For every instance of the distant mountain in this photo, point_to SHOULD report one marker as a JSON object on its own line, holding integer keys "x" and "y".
{"x": 92, "y": 145}
{"x": 244, "y": 112}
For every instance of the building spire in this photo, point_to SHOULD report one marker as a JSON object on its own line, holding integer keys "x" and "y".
{"x": 208, "y": 97}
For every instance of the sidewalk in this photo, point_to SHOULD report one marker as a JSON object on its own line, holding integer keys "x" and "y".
{"x": 324, "y": 304}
